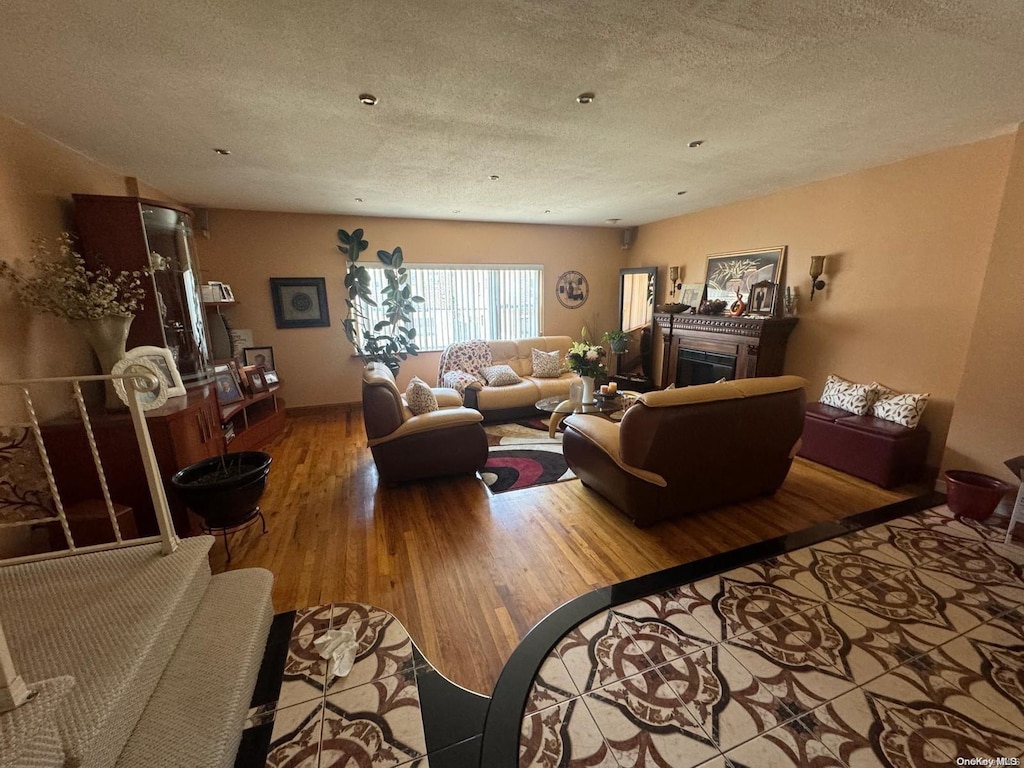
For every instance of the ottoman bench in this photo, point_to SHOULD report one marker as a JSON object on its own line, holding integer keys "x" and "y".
{"x": 880, "y": 451}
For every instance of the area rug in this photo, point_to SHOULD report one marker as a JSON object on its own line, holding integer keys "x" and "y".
{"x": 521, "y": 455}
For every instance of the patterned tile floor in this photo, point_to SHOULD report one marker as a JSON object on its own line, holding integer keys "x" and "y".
{"x": 303, "y": 718}
{"x": 899, "y": 645}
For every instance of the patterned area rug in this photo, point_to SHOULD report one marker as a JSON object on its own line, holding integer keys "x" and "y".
{"x": 521, "y": 455}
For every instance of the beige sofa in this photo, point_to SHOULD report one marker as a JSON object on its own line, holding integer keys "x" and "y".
{"x": 513, "y": 400}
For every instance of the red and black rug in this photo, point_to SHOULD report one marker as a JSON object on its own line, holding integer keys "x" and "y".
{"x": 521, "y": 455}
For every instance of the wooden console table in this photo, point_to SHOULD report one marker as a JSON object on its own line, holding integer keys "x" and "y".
{"x": 758, "y": 344}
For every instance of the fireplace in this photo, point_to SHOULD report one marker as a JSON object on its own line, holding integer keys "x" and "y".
{"x": 699, "y": 349}
{"x": 699, "y": 367}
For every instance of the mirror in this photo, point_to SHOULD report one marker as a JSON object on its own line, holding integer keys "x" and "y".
{"x": 637, "y": 288}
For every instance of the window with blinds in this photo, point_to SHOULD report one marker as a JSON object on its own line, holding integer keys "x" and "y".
{"x": 469, "y": 302}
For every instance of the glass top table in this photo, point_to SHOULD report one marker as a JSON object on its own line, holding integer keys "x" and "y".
{"x": 560, "y": 407}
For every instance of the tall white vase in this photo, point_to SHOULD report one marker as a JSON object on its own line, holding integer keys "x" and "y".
{"x": 588, "y": 389}
{"x": 107, "y": 336}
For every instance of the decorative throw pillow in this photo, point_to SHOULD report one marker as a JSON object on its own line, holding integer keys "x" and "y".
{"x": 460, "y": 381}
{"x": 499, "y": 375}
{"x": 547, "y": 365}
{"x": 905, "y": 409}
{"x": 840, "y": 393}
{"x": 420, "y": 397}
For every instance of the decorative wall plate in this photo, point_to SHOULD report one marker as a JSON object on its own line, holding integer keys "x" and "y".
{"x": 572, "y": 289}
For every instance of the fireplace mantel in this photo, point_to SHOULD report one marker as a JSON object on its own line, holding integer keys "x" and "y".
{"x": 758, "y": 343}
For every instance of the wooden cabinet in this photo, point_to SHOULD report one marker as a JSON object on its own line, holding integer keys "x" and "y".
{"x": 253, "y": 421}
{"x": 132, "y": 233}
{"x": 185, "y": 430}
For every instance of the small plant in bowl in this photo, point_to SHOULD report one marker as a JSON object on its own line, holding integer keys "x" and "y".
{"x": 618, "y": 341}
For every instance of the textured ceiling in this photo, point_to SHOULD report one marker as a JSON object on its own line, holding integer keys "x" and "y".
{"x": 781, "y": 91}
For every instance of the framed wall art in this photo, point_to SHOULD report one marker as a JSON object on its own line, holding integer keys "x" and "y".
{"x": 300, "y": 302}
{"x": 728, "y": 273}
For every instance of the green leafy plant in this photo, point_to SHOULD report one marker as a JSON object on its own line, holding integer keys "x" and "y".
{"x": 617, "y": 340}
{"x": 393, "y": 339}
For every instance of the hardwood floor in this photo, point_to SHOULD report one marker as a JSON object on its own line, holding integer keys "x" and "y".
{"x": 467, "y": 573}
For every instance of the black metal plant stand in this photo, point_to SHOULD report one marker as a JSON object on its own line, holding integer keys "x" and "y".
{"x": 236, "y": 527}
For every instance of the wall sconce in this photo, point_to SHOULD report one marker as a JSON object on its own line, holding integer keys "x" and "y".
{"x": 673, "y": 276}
{"x": 817, "y": 267}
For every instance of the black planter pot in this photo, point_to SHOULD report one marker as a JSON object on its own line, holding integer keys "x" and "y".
{"x": 224, "y": 502}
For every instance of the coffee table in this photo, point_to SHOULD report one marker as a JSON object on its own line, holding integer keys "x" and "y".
{"x": 560, "y": 407}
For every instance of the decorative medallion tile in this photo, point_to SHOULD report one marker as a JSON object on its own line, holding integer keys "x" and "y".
{"x": 384, "y": 649}
{"x": 295, "y": 741}
{"x": 865, "y": 653}
{"x": 946, "y": 731}
{"x": 980, "y": 565}
{"x": 797, "y": 688}
{"x": 310, "y": 621}
{"x": 304, "y": 671}
{"x": 600, "y": 651}
{"x": 743, "y": 607}
{"x": 377, "y": 724}
{"x": 662, "y": 628}
{"x": 788, "y": 746}
{"x": 552, "y": 685}
{"x": 565, "y": 735}
{"x": 729, "y": 703}
{"x": 930, "y": 683}
{"x": 645, "y": 724}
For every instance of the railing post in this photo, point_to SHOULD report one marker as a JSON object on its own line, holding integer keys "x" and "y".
{"x": 13, "y": 691}
{"x": 168, "y": 538}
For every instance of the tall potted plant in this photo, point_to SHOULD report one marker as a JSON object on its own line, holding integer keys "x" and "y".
{"x": 391, "y": 340}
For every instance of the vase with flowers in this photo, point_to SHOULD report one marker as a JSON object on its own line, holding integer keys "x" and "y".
{"x": 100, "y": 304}
{"x": 586, "y": 360}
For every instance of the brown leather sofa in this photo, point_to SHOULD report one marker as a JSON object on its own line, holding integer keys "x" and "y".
{"x": 681, "y": 451}
{"x": 448, "y": 441}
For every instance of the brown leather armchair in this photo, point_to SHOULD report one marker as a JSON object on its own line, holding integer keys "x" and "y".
{"x": 680, "y": 451}
{"x": 448, "y": 441}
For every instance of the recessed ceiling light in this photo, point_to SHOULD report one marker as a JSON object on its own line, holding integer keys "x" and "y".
{"x": 586, "y": 98}
{"x": 494, "y": 177}
{"x": 547, "y": 210}
{"x": 456, "y": 211}
{"x": 368, "y": 99}
{"x": 695, "y": 144}
{"x": 681, "y": 193}
{"x": 612, "y": 221}
{"x": 359, "y": 199}
{"x": 220, "y": 151}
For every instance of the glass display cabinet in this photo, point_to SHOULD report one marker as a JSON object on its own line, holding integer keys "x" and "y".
{"x": 131, "y": 233}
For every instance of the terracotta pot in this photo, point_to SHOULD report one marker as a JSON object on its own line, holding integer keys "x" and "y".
{"x": 972, "y": 494}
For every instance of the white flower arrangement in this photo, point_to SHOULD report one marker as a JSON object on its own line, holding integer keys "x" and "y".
{"x": 585, "y": 359}
{"x": 62, "y": 286}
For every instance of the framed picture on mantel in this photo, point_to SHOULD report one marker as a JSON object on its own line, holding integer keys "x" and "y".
{"x": 728, "y": 273}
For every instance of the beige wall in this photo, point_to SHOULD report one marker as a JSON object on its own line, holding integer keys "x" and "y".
{"x": 37, "y": 179}
{"x": 988, "y": 422}
{"x": 907, "y": 248}
{"x": 246, "y": 248}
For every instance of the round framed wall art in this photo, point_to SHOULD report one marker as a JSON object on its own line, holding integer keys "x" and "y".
{"x": 572, "y": 289}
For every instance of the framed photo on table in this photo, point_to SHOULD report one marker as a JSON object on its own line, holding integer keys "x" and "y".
{"x": 228, "y": 390}
{"x": 728, "y": 273}
{"x": 162, "y": 359}
{"x": 300, "y": 302}
{"x": 258, "y": 380}
{"x": 762, "y": 298}
{"x": 259, "y": 356}
{"x": 271, "y": 378}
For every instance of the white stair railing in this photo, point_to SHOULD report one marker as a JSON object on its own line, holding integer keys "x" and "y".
{"x": 13, "y": 691}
